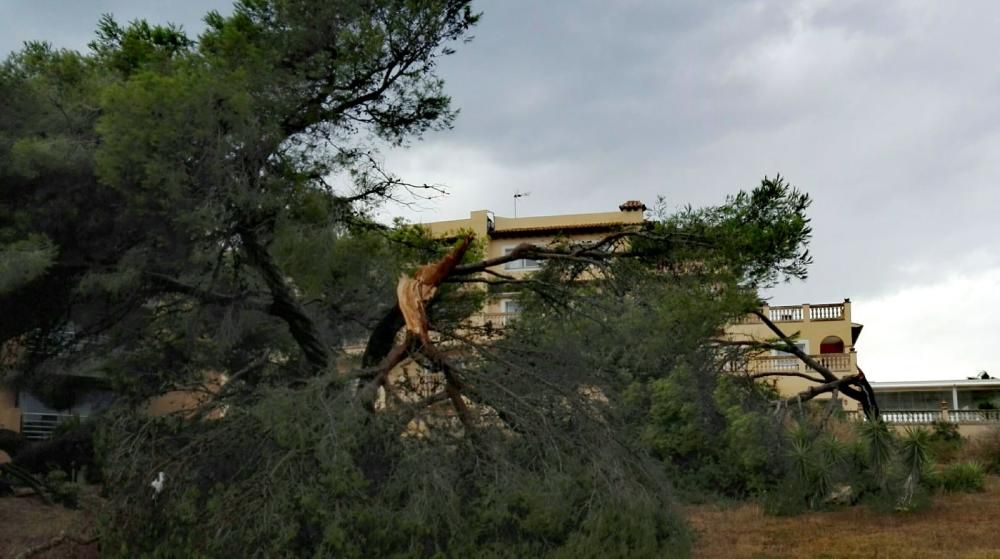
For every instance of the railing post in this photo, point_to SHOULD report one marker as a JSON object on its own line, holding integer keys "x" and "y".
{"x": 766, "y": 310}
{"x": 847, "y": 310}
{"x": 853, "y": 356}
{"x": 945, "y": 417}
{"x": 805, "y": 312}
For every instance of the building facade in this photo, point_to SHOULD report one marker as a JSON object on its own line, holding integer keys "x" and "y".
{"x": 972, "y": 404}
{"x": 502, "y": 234}
{"x": 823, "y": 331}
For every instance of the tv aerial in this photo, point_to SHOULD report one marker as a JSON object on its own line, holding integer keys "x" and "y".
{"x": 516, "y": 196}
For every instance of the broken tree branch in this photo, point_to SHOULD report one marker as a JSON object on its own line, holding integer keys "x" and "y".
{"x": 811, "y": 378}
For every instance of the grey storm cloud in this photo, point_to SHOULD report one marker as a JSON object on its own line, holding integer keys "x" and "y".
{"x": 71, "y": 23}
{"x": 885, "y": 112}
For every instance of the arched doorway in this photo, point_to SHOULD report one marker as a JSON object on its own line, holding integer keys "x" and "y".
{"x": 831, "y": 344}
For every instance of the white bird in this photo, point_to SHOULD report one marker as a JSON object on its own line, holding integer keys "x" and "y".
{"x": 157, "y": 484}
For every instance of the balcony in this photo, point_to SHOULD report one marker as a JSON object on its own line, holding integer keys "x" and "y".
{"x": 927, "y": 417}
{"x": 800, "y": 313}
{"x": 493, "y": 319}
{"x": 39, "y": 426}
{"x": 836, "y": 362}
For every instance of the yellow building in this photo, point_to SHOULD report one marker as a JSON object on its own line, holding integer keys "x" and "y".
{"x": 10, "y": 413}
{"x": 502, "y": 234}
{"x": 823, "y": 331}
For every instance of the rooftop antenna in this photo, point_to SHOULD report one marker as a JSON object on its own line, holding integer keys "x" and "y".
{"x": 516, "y": 196}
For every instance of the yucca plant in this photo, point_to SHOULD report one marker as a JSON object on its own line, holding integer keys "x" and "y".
{"x": 814, "y": 464}
{"x": 879, "y": 443}
{"x": 914, "y": 458}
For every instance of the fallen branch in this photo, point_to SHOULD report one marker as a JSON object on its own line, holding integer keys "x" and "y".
{"x": 866, "y": 396}
{"x": 53, "y": 543}
{"x": 814, "y": 391}
{"x": 40, "y": 487}
{"x": 811, "y": 378}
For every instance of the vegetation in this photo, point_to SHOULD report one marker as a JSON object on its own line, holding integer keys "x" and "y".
{"x": 196, "y": 214}
{"x": 953, "y": 525}
{"x": 962, "y": 476}
{"x": 984, "y": 449}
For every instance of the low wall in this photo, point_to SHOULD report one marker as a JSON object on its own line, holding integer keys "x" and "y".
{"x": 967, "y": 430}
{"x": 10, "y": 416}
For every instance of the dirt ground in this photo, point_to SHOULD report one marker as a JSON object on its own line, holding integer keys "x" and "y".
{"x": 27, "y": 523}
{"x": 959, "y": 526}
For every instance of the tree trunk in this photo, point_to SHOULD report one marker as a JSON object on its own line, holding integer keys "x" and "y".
{"x": 285, "y": 305}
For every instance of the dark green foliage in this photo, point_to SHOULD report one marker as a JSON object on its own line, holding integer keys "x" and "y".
{"x": 69, "y": 450}
{"x": 817, "y": 467}
{"x": 758, "y": 236}
{"x": 945, "y": 441}
{"x": 175, "y": 207}
{"x": 11, "y": 441}
{"x": 64, "y": 490}
{"x": 884, "y": 470}
{"x": 915, "y": 460}
{"x": 945, "y": 431}
{"x": 157, "y": 169}
{"x": 966, "y": 477}
{"x": 643, "y": 335}
{"x": 339, "y": 482}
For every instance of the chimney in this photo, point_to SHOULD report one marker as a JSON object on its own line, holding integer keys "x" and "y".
{"x": 632, "y": 206}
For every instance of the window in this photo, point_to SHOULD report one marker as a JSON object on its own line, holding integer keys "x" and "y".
{"x": 511, "y": 307}
{"x": 803, "y": 345}
{"x": 522, "y": 264}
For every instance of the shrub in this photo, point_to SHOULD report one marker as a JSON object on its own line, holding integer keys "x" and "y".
{"x": 914, "y": 462}
{"x": 945, "y": 442}
{"x": 945, "y": 431}
{"x": 11, "y": 442}
{"x": 818, "y": 465}
{"x": 967, "y": 477}
{"x": 64, "y": 491}
{"x": 268, "y": 480}
{"x": 70, "y": 449}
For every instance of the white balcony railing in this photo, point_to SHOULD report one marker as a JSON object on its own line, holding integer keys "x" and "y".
{"x": 799, "y": 313}
{"x": 927, "y": 417}
{"x": 39, "y": 426}
{"x": 836, "y": 362}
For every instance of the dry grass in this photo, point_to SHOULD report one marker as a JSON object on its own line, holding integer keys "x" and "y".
{"x": 960, "y": 526}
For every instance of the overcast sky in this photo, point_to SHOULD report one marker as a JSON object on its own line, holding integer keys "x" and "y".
{"x": 886, "y": 112}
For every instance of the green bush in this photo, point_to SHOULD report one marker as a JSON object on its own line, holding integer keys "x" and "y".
{"x": 69, "y": 449}
{"x": 269, "y": 480}
{"x": 945, "y": 442}
{"x": 966, "y": 477}
{"x": 887, "y": 471}
{"x": 945, "y": 431}
{"x": 11, "y": 442}
{"x": 64, "y": 491}
{"x": 716, "y": 437}
{"x": 819, "y": 467}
